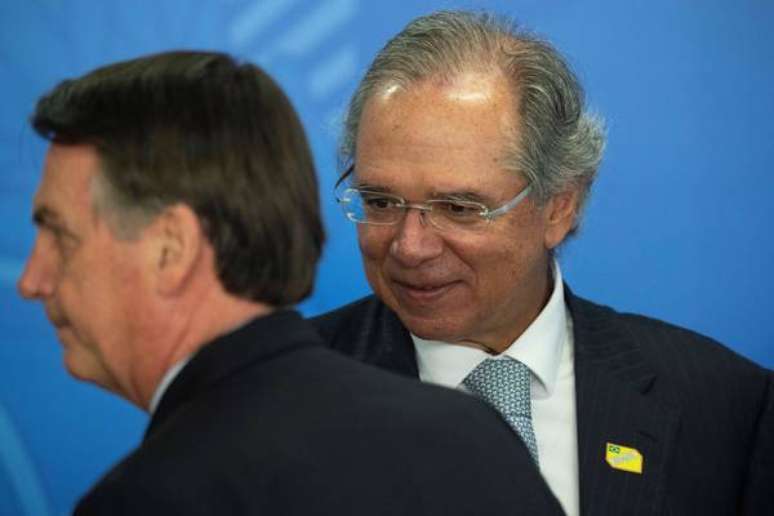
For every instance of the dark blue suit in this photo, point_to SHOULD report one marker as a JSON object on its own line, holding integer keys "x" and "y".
{"x": 267, "y": 421}
{"x": 701, "y": 415}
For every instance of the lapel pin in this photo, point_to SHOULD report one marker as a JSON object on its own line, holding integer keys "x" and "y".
{"x": 623, "y": 458}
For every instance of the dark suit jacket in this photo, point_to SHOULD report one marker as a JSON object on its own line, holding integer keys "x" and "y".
{"x": 267, "y": 421}
{"x": 702, "y": 416}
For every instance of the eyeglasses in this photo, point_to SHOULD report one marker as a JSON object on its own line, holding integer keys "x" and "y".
{"x": 365, "y": 206}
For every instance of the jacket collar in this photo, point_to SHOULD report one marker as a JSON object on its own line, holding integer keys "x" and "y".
{"x": 256, "y": 341}
{"x": 613, "y": 387}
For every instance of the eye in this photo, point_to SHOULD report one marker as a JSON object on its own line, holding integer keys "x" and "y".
{"x": 379, "y": 202}
{"x": 64, "y": 242}
{"x": 459, "y": 211}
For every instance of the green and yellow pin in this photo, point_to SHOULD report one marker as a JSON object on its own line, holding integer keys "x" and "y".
{"x": 623, "y": 458}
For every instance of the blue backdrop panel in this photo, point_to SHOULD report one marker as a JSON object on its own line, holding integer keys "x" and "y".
{"x": 678, "y": 226}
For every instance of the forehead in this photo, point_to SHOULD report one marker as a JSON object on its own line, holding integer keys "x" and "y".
{"x": 439, "y": 132}
{"x": 65, "y": 187}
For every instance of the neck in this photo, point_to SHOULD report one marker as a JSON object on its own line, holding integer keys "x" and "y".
{"x": 182, "y": 331}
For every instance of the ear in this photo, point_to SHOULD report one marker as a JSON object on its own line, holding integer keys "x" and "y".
{"x": 560, "y": 214}
{"x": 177, "y": 249}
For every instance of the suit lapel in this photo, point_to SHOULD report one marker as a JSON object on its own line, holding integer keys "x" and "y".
{"x": 375, "y": 335}
{"x": 397, "y": 349}
{"x": 612, "y": 385}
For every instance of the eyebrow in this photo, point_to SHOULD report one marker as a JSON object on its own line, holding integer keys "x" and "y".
{"x": 44, "y": 216}
{"x": 463, "y": 196}
{"x": 373, "y": 188}
{"x": 466, "y": 195}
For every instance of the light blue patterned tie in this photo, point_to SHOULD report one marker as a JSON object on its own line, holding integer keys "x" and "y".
{"x": 504, "y": 384}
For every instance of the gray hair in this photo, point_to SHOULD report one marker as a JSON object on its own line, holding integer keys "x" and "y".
{"x": 126, "y": 217}
{"x": 562, "y": 143}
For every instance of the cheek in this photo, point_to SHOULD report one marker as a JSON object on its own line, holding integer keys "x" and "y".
{"x": 497, "y": 261}
{"x": 374, "y": 243}
{"x": 77, "y": 295}
{"x": 476, "y": 254}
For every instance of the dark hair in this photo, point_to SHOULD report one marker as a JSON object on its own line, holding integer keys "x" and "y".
{"x": 220, "y": 136}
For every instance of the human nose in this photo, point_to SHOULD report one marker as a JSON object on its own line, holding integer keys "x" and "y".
{"x": 38, "y": 277}
{"x": 415, "y": 240}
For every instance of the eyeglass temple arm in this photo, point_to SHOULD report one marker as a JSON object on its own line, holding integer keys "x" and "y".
{"x": 508, "y": 206}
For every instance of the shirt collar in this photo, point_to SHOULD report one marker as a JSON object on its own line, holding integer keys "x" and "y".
{"x": 165, "y": 382}
{"x": 173, "y": 371}
{"x": 539, "y": 348}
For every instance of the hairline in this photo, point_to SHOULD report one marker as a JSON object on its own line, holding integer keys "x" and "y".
{"x": 124, "y": 220}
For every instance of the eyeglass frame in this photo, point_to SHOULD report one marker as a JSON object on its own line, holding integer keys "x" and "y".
{"x": 487, "y": 214}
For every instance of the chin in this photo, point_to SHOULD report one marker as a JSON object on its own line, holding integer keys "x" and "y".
{"x": 432, "y": 328}
{"x": 73, "y": 370}
{"x": 77, "y": 365}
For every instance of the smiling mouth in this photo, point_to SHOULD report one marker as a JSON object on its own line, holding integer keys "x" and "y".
{"x": 423, "y": 293}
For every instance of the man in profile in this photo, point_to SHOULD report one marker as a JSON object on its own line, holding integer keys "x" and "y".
{"x": 177, "y": 220}
{"x": 468, "y": 157}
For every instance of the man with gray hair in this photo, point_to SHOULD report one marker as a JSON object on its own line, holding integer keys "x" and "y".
{"x": 468, "y": 156}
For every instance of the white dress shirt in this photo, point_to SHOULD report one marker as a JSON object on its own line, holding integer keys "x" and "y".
{"x": 546, "y": 347}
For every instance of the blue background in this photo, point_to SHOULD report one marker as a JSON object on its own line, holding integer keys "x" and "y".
{"x": 678, "y": 227}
